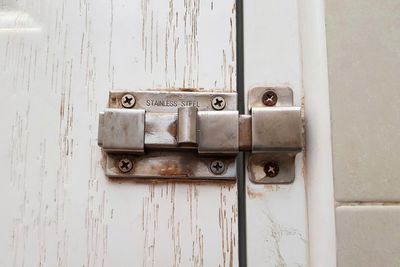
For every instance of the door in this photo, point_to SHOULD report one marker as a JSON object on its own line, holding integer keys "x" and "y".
{"x": 276, "y": 215}
{"x": 60, "y": 60}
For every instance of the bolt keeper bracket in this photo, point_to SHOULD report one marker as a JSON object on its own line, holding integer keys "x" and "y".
{"x": 197, "y": 135}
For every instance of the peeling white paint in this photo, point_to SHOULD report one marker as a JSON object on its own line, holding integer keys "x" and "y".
{"x": 58, "y": 209}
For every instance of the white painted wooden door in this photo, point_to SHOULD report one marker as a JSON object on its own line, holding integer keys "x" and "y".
{"x": 59, "y": 59}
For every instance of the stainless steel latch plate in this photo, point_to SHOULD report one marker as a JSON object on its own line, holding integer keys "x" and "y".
{"x": 170, "y": 135}
{"x": 276, "y": 135}
{"x": 197, "y": 135}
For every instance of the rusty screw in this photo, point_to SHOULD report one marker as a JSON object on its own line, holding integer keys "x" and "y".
{"x": 269, "y": 98}
{"x": 125, "y": 165}
{"x": 128, "y": 101}
{"x": 218, "y": 103}
{"x": 217, "y": 167}
{"x": 271, "y": 169}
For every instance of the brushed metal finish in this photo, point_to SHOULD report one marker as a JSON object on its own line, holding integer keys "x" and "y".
{"x": 169, "y": 100}
{"x": 255, "y": 96}
{"x": 174, "y": 135}
{"x": 218, "y": 132}
{"x": 276, "y": 129}
{"x": 276, "y": 133}
{"x": 245, "y": 133}
{"x": 176, "y": 165}
{"x": 122, "y": 130}
{"x": 285, "y": 161}
{"x": 187, "y": 125}
{"x": 160, "y": 130}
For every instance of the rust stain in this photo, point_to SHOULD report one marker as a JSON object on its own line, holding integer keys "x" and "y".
{"x": 103, "y": 160}
{"x": 190, "y": 89}
{"x": 172, "y": 169}
{"x": 253, "y": 194}
{"x": 149, "y": 128}
{"x": 172, "y": 128}
{"x": 271, "y": 187}
{"x": 113, "y": 100}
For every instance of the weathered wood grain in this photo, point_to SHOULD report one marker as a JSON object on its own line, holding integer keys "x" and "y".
{"x": 56, "y": 70}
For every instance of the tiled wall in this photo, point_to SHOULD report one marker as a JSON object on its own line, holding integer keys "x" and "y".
{"x": 363, "y": 39}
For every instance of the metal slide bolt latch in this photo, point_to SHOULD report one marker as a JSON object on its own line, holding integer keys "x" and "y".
{"x": 197, "y": 135}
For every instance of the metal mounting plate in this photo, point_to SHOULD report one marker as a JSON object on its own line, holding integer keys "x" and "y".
{"x": 170, "y": 101}
{"x": 176, "y": 161}
{"x": 276, "y": 140}
{"x": 174, "y": 165}
{"x": 257, "y": 163}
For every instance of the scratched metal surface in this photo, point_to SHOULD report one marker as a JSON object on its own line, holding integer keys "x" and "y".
{"x": 276, "y": 215}
{"x": 58, "y": 61}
